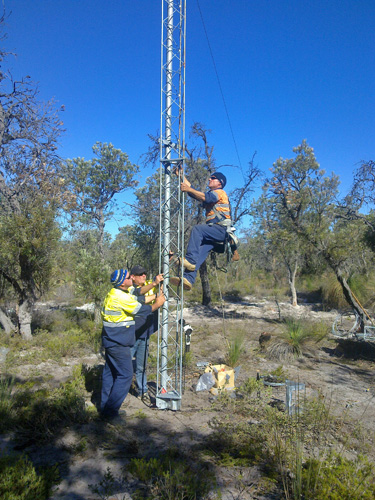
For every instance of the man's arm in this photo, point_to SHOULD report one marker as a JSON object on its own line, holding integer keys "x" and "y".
{"x": 186, "y": 188}
{"x": 159, "y": 301}
{"x": 144, "y": 289}
{"x": 150, "y": 298}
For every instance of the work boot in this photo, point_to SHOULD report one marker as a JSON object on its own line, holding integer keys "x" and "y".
{"x": 187, "y": 265}
{"x": 113, "y": 416}
{"x": 235, "y": 256}
{"x": 176, "y": 260}
{"x": 175, "y": 280}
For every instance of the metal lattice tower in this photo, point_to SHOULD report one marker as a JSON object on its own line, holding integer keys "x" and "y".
{"x": 172, "y": 146}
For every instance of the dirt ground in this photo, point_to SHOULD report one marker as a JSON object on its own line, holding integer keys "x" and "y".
{"x": 347, "y": 384}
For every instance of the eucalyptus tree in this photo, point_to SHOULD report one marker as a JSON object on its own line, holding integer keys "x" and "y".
{"x": 30, "y": 194}
{"x": 307, "y": 198}
{"x": 363, "y": 188}
{"x": 360, "y": 202}
{"x": 94, "y": 184}
{"x": 127, "y": 249}
{"x": 280, "y": 239}
{"x": 145, "y": 213}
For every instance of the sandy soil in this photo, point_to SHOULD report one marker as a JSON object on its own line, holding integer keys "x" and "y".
{"x": 347, "y": 384}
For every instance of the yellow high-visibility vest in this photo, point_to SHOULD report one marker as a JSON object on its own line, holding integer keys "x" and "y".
{"x": 119, "y": 308}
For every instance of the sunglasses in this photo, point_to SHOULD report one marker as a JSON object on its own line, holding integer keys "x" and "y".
{"x": 213, "y": 177}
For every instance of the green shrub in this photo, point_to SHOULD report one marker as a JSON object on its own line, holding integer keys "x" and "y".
{"x": 252, "y": 386}
{"x": 20, "y": 481}
{"x": 6, "y": 403}
{"x": 236, "y": 445}
{"x": 107, "y": 487}
{"x": 332, "y": 292}
{"x": 55, "y": 320}
{"x": 279, "y": 373}
{"x": 43, "y": 414}
{"x": 187, "y": 359}
{"x": 171, "y": 477}
{"x": 338, "y": 478}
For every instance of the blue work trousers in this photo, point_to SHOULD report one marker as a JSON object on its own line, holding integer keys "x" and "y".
{"x": 116, "y": 379}
{"x": 202, "y": 240}
{"x": 140, "y": 352}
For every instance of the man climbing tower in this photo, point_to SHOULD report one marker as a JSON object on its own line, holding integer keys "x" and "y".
{"x": 204, "y": 237}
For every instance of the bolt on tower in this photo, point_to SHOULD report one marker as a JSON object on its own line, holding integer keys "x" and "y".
{"x": 172, "y": 146}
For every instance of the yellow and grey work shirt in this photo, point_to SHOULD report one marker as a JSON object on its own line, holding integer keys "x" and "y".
{"x": 119, "y": 309}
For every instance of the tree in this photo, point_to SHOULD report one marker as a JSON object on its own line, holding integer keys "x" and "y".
{"x": 146, "y": 214}
{"x": 30, "y": 194}
{"x": 240, "y": 197}
{"x": 94, "y": 184}
{"x": 280, "y": 239}
{"x": 308, "y": 199}
{"x": 362, "y": 196}
{"x": 124, "y": 250}
{"x": 363, "y": 189}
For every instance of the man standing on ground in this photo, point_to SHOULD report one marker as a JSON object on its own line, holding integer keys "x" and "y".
{"x": 120, "y": 309}
{"x": 143, "y": 330}
{"x": 203, "y": 237}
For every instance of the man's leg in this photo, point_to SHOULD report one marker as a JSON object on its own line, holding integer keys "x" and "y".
{"x": 133, "y": 352}
{"x": 207, "y": 236}
{"x": 141, "y": 365}
{"x": 107, "y": 382}
{"x": 120, "y": 363}
{"x": 196, "y": 237}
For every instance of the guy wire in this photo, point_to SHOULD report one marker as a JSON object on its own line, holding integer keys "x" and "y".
{"x": 220, "y": 87}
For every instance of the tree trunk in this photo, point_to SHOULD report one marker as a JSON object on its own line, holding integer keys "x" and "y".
{"x": 24, "y": 318}
{"x": 101, "y": 228}
{"x": 349, "y": 296}
{"x": 292, "y": 283}
{"x": 206, "y": 289}
{"x": 97, "y": 314}
{"x": 6, "y": 323}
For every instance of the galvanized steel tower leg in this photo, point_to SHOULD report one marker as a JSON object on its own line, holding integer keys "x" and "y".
{"x": 172, "y": 146}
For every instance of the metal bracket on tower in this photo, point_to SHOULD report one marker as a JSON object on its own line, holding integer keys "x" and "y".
{"x": 172, "y": 148}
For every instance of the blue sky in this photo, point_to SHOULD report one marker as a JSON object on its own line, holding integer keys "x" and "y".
{"x": 289, "y": 70}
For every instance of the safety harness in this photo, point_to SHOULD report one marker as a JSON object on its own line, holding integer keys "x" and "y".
{"x": 230, "y": 244}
